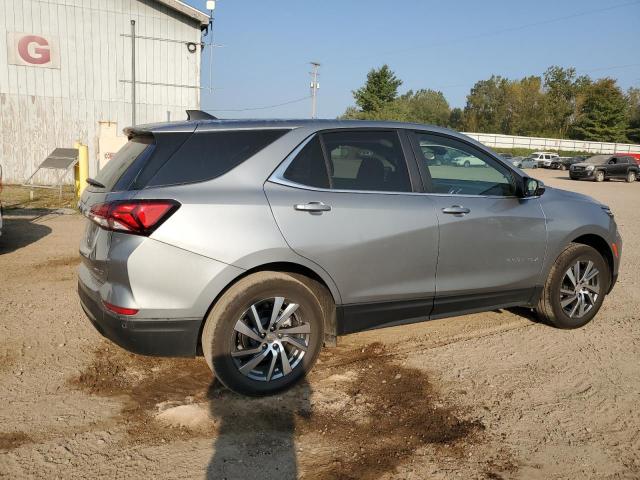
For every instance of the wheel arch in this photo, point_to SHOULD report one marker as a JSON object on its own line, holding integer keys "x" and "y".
{"x": 601, "y": 245}
{"x": 328, "y": 293}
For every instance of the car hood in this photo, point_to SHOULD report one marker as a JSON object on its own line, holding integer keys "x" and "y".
{"x": 582, "y": 164}
{"x": 566, "y": 194}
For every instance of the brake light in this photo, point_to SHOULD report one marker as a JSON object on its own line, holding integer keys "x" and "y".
{"x": 120, "y": 310}
{"x": 140, "y": 217}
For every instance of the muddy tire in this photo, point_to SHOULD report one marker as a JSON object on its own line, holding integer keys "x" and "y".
{"x": 599, "y": 176}
{"x": 264, "y": 333}
{"x": 575, "y": 288}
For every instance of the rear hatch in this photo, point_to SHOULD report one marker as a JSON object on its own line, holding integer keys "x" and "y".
{"x": 146, "y": 151}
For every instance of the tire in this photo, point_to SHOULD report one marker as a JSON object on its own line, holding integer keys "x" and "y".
{"x": 599, "y": 176}
{"x": 563, "y": 167}
{"x": 467, "y": 164}
{"x": 631, "y": 177}
{"x": 220, "y": 337}
{"x": 554, "y": 303}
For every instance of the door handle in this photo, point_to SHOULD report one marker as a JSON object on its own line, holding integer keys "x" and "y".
{"x": 456, "y": 210}
{"x": 312, "y": 207}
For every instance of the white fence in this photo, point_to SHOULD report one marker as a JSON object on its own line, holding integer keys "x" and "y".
{"x": 496, "y": 140}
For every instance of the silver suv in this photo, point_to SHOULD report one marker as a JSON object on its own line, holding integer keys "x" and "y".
{"x": 254, "y": 243}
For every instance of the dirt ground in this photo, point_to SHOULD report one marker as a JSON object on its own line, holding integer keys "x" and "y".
{"x": 493, "y": 395}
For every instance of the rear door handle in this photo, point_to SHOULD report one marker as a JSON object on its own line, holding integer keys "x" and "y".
{"x": 456, "y": 210}
{"x": 312, "y": 207}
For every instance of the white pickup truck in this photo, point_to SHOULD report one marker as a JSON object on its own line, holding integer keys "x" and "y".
{"x": 544, "y": 159}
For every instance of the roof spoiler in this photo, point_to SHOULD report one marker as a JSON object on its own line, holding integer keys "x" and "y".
{"x": 199, "y": 115}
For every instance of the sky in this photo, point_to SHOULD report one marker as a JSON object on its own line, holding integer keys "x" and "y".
{"x": 266, "y": 47}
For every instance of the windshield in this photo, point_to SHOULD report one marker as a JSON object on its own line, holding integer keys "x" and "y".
{"x": 122, "y": 160}
{"x": 598, "y": 159}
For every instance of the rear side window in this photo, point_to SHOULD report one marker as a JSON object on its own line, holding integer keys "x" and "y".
{"x": 121, "y": 161}
{"x": 308, "y": 168}
{"x": 366, "y": 160}
{"x": 207, "y": 155}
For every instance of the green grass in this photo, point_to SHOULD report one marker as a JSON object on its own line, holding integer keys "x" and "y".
{"x": 16, "y": 196}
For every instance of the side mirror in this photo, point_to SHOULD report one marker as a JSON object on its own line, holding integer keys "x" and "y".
{"x": 532, "y": 187}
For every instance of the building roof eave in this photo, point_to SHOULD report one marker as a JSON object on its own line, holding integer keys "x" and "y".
{"x": 187, "y": 10}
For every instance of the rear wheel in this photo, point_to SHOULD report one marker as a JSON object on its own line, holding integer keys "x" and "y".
{"x": 575, "y": 288}
{"x": 467, "y": 163}
{"x": 599, "y": 176}
{"x": 563, "y": 167}
{"x": 264, "y": 334}
{"x": 631, "y": 177}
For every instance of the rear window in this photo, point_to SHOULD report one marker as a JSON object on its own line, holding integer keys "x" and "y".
{"x": 122, "y": 160}
{"x": 207, "y": 155}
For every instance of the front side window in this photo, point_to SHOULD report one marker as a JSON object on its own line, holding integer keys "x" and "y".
{"x": 366, "y": 160}
{"x": 456, "y": 168}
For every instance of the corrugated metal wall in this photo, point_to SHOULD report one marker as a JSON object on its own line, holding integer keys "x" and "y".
{"x": 42, "y": 108}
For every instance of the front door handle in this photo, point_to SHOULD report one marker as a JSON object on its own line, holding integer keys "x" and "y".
{"x": 312, "y": 207}
{"x": 456, "y": 210}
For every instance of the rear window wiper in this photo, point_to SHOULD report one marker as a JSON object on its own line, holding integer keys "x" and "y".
{"x": 95, "y": 183}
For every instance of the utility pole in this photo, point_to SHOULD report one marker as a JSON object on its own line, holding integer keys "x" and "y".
{"x": 133, "y": 72}
{"x": 315, "y": 85}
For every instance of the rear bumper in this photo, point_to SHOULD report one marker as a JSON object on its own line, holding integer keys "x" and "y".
{"x": 161, "y": 337}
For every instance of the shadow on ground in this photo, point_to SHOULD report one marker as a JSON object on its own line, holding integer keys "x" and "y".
{"x": 22, "y": 228}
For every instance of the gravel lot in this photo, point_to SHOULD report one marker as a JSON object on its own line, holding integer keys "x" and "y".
{"x": 492, "y": 395}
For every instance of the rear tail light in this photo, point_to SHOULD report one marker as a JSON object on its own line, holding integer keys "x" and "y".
{"x": 140, "y": 217}
{"x": 120, "y": 310}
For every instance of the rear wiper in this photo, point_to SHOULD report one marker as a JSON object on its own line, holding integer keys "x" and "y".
{"x": 95, "y": 183}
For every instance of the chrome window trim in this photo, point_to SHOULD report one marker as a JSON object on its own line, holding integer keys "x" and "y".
{"x": 277, "y": 177}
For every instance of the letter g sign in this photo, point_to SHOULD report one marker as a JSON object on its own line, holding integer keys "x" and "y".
{"x": 34, "y": 49}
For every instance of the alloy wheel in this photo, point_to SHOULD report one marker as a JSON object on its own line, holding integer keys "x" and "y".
{"x": 270, "y": 339}
{"x": 580, "y": 289}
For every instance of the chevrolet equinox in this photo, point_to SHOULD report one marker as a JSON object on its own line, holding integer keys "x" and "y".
{"x": 254, "y": 243}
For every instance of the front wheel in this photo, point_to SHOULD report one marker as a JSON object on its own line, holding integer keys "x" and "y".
{"x": 599, "y": 177}
{"x": 575, "y": 288}
{"x": 467, "y": 164}
{"x": 264, "y": 334}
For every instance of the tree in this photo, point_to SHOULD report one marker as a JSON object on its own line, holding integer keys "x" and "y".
{"x": 562, "y": 99}
{"x": 381, "y": 88}
{"x": 486, "y": 107}
{"x": 456, "y": 119}
{"x": 633, "y": 99}
{"x": 604, "y": 114}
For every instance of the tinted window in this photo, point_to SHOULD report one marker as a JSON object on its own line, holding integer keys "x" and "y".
{"x": 309, "y": 168}
{"x": 366, "y": 160}
{"x": 207, "y": 155}
{"x": 122, "y": 160}
{"x": 457, "y": 168}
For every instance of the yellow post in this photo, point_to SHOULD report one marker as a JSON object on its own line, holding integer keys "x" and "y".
{"x": 76, "y": 171}
{"x": 83, "y": 170}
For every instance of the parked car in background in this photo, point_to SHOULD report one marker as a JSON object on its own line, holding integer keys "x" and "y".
{"x": 636, "y": 156}
{"x": 523, "y": 163}
{"x": 563, "y": 163}
{"x": 506, "y": 156}
{"x": 544, "y": 159}
{"x": 255, "y": 242}
{"x": 604, "y": 167}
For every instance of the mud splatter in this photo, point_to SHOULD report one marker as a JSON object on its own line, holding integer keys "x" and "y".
{"x": 12, "y": 440}
{"x": 144, "y": 382}
{"x": 70, "y": 261}
{"x": 393, "y": 412}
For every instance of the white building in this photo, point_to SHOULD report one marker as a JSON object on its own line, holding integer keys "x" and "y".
{"x": 66, "y": 71}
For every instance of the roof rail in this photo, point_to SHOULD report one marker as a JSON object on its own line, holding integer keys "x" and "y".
{"x": 199, "y": 115}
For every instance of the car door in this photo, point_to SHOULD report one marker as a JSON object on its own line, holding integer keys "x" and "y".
{"x": 492, "y": 243}
{"x": 345, "y": 200}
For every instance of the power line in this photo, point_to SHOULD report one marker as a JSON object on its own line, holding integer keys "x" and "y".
{"x": 503, "y": 30}
{"x": 265, "y": 107}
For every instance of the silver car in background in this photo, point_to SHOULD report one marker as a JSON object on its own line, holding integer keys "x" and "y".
{"x": 254, "y": 243}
